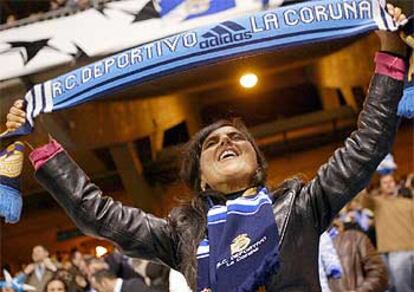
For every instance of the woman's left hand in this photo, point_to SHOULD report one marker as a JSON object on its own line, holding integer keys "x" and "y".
{"x": 391, "y": 41}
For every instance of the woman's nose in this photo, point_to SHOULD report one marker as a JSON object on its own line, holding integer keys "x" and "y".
{"x": 224, "y": 140}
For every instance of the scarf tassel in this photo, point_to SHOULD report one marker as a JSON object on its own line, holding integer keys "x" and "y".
{"x": 11, "y": 203}
{"x": 262, "y": 275}
{"x": 406, "y": 106}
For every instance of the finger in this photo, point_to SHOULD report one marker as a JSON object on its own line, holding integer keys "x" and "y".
{"x": 12, "y": 118}
{"x": 11, "y": 126}
{"x": 397, "y": 13}
{"x": 18, "y": 112}
{"x": 402, "y": 19}
{"x": 390, "y": 9}
{"x": 19, "y": 103}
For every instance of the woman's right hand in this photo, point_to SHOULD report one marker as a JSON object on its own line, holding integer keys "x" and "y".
{"x": 16, "y": 116}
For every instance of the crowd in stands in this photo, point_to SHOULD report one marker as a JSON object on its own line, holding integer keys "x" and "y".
{"x": 373, "y": 238}
{"x": 14, "y": 14}
{"x": 113, "y": 272}
{"x": 56, "y": 4}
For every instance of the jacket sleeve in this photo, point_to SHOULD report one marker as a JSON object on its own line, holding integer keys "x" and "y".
{"x": 375, "y": 274}
{"x": 137, "y": 233}
{"x": 350, "y": 168}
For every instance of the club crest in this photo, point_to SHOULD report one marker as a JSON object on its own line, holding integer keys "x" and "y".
{"x": 11, "y": 160}
{"x": 239, "y": 243}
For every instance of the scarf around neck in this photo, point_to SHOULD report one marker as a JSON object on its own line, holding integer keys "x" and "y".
{"x": 241, "y": 249}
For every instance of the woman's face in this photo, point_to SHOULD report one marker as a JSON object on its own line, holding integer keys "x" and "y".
{"x": 56, "y": 286}
{"x": 228, "y": 161}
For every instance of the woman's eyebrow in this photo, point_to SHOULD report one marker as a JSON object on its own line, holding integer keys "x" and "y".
{"x": 237, "y": 133}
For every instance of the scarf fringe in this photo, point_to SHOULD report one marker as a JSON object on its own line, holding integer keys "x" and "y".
{"x": 263, "y": 274}
{"x": 11, "y": 204}
{"x": 406, "y": 105}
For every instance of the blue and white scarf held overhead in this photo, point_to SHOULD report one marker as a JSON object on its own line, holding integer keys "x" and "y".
{"x": 287, "y": 26}
{"x": 283, "y": 27}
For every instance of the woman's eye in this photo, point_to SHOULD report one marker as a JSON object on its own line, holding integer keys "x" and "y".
{"x": 238, "y": 137}
{"x": 208, "y": 144}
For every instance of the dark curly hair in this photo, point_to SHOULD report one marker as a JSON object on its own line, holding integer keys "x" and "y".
{"x": 189, "y": 219}
{"x": 56, "y": 278}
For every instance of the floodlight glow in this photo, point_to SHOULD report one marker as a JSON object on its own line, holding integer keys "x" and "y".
{"x": 248, "y": 80}
{"x": 100, "y": 251}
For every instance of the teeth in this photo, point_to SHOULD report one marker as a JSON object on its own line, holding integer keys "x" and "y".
{"x": 227, "y": 153}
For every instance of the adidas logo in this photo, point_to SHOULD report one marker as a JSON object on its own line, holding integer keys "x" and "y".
{"x": 225, "y": 33}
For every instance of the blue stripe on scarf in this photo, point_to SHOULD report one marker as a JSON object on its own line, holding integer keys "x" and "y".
{"x": 245, "y": 207}
{"x": 216, "y": 218}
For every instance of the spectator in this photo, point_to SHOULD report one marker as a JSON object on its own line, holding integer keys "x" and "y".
{"x": 159, "y": 277}
{"x": 82, "y": 3}
{"x": 363, "y": 268}
{"x": 409, "y": 181}
{"x": 41, "y": 270}
{"x": 79, "y": 4}
{"x": 119, "y": 264}
{"x": 369, "y": 223}
{"x": 81, "y": 284}
{"x": 69, "y": 278}
{"x": 116, "y": 263}
{"x": 11, "y": 19}
{"x": 79, "y": 271}
{"x": 64, "y": 275}
{"x": 388, "y": 185}
{"x": 358, "y": 218}
{"x": 395, "y": 231}
{"x": 56, "y": 4}
{"x": 407, "y": 191}
{"x": 56, "y": 285}
{"x": 329, "y": 264}
{"x": 362, "y": 217}
{"x": 106, "y": 281}
{"x": 94, "y": 265}
{"x": 77, "y": 260}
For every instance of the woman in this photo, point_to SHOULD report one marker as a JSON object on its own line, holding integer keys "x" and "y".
{"x": 235, "y": 234}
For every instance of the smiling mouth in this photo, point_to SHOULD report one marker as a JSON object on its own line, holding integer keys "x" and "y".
{"x": 228, "y": 154}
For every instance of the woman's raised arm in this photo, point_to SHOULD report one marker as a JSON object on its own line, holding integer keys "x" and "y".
{"x": 139, "y": 234}
{"x": 350, "y": 168}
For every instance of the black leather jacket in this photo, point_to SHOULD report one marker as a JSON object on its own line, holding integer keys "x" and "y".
{"x": 302, "y": 211}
